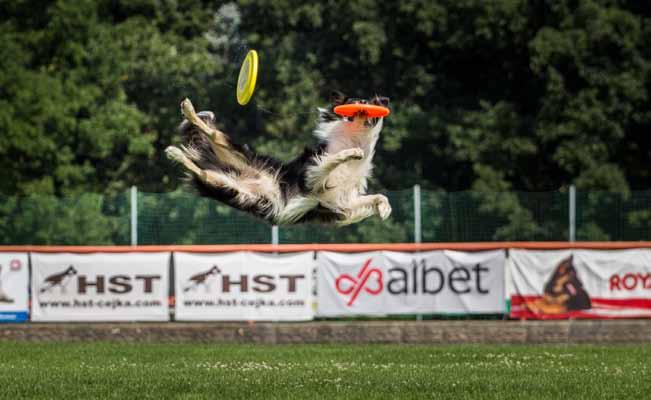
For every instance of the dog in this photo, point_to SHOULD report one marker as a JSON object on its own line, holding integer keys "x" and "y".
{"x": 4, "y": 298}
{"x": 325, "y": 184}
{"x": 59, "y": 279}
{"x": 563, "y": 292}
{"x": 201, "y": 278}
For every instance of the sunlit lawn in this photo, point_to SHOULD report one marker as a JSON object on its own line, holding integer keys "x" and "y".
{"x": 155, "y": 371}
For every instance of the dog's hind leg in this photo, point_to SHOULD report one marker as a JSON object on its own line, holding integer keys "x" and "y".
{"x": 210, "y": 177}
{"x": 317, "y": 175}
{"x": 215, "y": 135}
{"x": 218, "y": 139}
{"x": 175, "y": 154}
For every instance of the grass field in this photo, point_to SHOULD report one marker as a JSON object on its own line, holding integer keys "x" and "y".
{"x": 104, "y": 370}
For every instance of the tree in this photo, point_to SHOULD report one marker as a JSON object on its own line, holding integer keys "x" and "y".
{"x": 88, "y": 100}
{"x": 495, "y": 97}
{"x": 90, "y": 92}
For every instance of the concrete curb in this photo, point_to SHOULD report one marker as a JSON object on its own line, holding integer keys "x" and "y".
{"x": 405, "y": 332}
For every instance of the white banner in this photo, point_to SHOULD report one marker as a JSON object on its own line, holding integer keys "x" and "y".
{"x": 14, "y": 276}
{"x": 380, "y": 283}
{"x": 580, "y": 283}
{"x": 243, "y": 286}
{"x": 100, "y": 287}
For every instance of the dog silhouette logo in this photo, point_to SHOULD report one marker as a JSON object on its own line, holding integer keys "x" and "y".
{"x": 202, "y": 279}
{"x": 563, "y": 292}
{"x": 60, "y": 279}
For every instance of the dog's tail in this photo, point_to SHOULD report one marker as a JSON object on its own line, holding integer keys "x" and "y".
{"x": 206, "y": 145}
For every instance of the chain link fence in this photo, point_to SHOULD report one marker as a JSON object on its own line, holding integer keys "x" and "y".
{"x": 431, "y": 216}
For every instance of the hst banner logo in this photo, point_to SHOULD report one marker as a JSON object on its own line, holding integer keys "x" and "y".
{"x": 242, "y": 283}
{"x": 99, "y": 283}
{"x": 100, "y": 287}
{"x": 243, "y": 286}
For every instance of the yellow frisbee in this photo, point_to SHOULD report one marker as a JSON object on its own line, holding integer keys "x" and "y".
{"x": 247, "y": 78}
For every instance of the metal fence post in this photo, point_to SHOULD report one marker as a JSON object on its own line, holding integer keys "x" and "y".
{"x": 418, "y": 233}
{"x": 274, "y": 235}
{"x": 134, "y": 216}
{"x": 572, "y": 205}
{"x": 417, "y": 216}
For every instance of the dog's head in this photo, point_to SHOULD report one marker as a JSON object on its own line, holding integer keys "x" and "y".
{"x": 337, "y": 98}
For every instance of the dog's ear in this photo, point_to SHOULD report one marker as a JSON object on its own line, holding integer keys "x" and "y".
{"x": 337, "y": 98}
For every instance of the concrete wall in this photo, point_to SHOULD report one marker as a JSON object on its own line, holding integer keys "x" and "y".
{"x": 408, "y": 332}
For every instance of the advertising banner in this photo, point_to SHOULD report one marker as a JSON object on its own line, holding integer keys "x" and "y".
{"x": 100, "y": 287}
{"x": 580, "y": 284}
{"x": 243, "y": 286}
{"x": 14, "y": 278}
{"x": 380, "y": 283}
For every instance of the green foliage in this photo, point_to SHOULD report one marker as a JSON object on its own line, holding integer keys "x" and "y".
{"x": 87, "y": 218}
{"x": 183, "y": 218}
{"x": 90, "y": 92}
{"x": 489, "y": 96}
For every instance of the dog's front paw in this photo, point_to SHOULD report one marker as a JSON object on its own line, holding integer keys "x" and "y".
{"x": 383, "y": 207}
{"x": 349, "y": 154}
{"x": 355, "y": 153}
{"x": 188, "y": 109}
{"x": 174, "y": 154}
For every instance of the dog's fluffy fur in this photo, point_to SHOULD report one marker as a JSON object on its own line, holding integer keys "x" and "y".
{"x": 326, "y": 183}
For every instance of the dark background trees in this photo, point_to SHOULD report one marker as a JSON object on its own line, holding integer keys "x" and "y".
{"x": 487, "y": 96}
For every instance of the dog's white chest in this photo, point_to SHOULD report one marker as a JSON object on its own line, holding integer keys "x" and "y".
{"x": 349, "y": 180}
{"x": 350, "y": 176}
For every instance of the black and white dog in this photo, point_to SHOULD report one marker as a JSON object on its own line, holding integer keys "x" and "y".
{"x": 325, "y": 184}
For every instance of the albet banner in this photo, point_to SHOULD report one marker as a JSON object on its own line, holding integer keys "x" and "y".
{"x": 100, "y": 287}
{"x": 243, "y": 286}
{"x": 384, "y": 282}
{"x": 14, "y": 278}
{"x": 580, "y": 284}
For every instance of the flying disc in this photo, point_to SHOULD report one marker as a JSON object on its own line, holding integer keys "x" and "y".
{"x": 367, "y": 110}
{"x": 247, "y": 78}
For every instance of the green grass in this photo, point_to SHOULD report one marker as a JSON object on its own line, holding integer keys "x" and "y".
{"x": 104, "y": 370}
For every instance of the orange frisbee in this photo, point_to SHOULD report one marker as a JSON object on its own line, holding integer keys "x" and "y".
{"x": 366, "y": 110}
